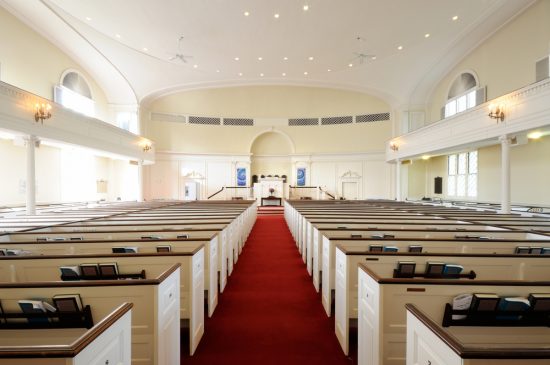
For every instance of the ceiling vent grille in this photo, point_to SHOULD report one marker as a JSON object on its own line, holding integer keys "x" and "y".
{"x": 238, "y": 121}
{"x": 336, "y": 120}
{"x": 367, "y": 118}
{"x": 164, "y": 117}
{"x": 303, "y": 121}
{"x": 204, "y": 120}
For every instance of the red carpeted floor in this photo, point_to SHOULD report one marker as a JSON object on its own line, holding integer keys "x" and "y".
{"x": 269, "y": 312}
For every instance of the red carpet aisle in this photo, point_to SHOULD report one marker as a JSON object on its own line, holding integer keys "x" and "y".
{"x": 269, "y": 312}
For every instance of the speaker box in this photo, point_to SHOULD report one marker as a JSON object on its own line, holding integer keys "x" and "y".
{"x": 438, "y": 185}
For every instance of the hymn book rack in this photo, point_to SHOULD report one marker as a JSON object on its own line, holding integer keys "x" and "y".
{"x": 528, "y": 318}
{"x": 79, "y": 319}
{"x": 471, "y": 275}
{"x": 140, "y": 275}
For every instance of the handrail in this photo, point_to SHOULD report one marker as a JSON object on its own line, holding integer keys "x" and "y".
{"x": 237, "y": 187}
{"x": 326, "y": 192}
{"x": 216, "y": 193}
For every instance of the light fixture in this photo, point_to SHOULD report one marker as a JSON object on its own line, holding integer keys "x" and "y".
{"x": 373, "y": 58}
{"x": 88, "y": 18}
{"x": 400, "y": 48}
{"x": 42, "y": 111}
{"x": 310, "y": 58}
{"x": 276, "y": 15}
{"x": 117, "y": 35}
{"x": 246, "y": 13}
{"x": 306, "y": 7}
{"x": 261, "y": 75}
{"x": 240, "y": 73}
{"x": 284, "y": 74}
{"x": 534, "y": 135}
{"x": 285, "y": 58}
{"x": 496, "y": 112}
{"x": 260, "y": 58}
{"x": 146, "y": 145}
{"x": 394, "y": 146}
{"x": 145, "y": 49}
{"x": 455, "y": 17}
{"x": 426, "y": 157}
{"x": 236, "y": 58}
{"x": 195, "y": 66}
{"x": 350, "y": 65}
{"x": 329, "y": 70}
{"x": 305, "y": 73}
{"x": 427, "y": 35}
{"x": 218, "y": 71}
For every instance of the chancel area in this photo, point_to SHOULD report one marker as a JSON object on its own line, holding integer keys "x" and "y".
{"x": 240, "y": 182}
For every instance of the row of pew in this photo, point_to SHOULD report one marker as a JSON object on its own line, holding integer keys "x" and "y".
{"x": 171, "y": 260}
{"x": 376, "y": 262}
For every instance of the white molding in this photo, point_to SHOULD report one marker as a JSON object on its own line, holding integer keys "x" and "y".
{"x": 350, "y": 174}
{"x": 67, "y": 126}
{"x": 525, "y": 109}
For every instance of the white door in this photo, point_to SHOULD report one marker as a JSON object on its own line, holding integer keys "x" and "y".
{"x": 350, "y": 190}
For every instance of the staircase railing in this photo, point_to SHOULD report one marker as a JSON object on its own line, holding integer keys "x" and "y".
{"x": 216, "y": 193}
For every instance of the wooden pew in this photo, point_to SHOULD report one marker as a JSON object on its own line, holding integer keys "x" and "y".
{"x": 107, "y": 342}
{"x": 155, "y": 315}
{"x": 430, "y": 343}
{"x": 382, "y": 314}
{"x": 486, "y": 267}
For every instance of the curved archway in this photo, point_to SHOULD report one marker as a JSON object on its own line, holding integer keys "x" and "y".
{"x": 286, "y": 137}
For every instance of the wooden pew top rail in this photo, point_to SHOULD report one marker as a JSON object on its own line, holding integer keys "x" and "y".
{"x": 462, "y": 340}
{"x": 57, "y": 342}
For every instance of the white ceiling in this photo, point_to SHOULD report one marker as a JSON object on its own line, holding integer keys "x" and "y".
{"x": 216, "y": 31}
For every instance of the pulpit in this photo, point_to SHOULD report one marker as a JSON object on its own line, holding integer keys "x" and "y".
{"x": 269, "y": 191}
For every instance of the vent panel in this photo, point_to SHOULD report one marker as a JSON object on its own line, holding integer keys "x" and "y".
{"x": 204, "y": 120}
{"x": 367, "y": 118}
{"x": 238, "y": 121}
{"x": 337, "y": 120}
{"x": 303, "y": 121}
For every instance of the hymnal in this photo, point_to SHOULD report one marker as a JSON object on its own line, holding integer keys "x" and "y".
{"x": 76, "y": 238}
{"x": 415, "y": 248}
{"x": 405, "y": 269}
{"x": 125, "y": 249}
{"x": 108, "y": 270}
{"x": 377, "y": 236}
{"x": 482, "y": 302}
{"x": 182, "y": 236}
{"x": 2, "y": 252}
{"x": 535, "y": 250}
{"x": 461, "y": 302}
{"x": 540, "y": 302}
{"x": 36, "y": 306}
{"x": 151, "y": 237}
{"x": 68, "y": 303}
{"x": 376, "y": 248}
{"x": 89, "y": 271}
{"x": 356, "y": 236}
{"x": 545, "y": 251}
{"x": 388, "y": 236}
{"x": 452, "y": 269}
{"x": 435, "y": 268}
{"x": 513, "y": 304}
{"x": 70, "y": 272}
{"x": 164, "y": 248}
{"x": 522, "y": 250}
{"x": 390, "y": 249}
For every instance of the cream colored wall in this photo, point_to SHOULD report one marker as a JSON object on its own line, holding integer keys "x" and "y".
{"x": 530, "y": 174}
{"x": 32, "y": 63}
{"x": 64, "y": 175}
{"x": 274, "y": 102}
{"x": 506, "y": 61}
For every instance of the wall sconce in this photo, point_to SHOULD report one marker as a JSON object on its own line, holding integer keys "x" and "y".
{"x": 394, "y": 146}
{"x": 42, "y": 111}
{"x": 496, "y": 112}
{"x": 147, "y": 147}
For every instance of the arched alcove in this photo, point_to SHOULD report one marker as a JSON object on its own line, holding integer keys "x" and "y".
{"x": 271, "y": 152}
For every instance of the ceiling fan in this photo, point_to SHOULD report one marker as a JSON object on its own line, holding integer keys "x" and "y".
{"x": 179, "y": 56}
{"x": 363, "y": 57}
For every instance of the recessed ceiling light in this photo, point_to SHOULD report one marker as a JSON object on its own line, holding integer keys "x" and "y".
{"x": 305, "y": 73}
{"x": 534, "y": 135}
{"x": 262, "y": 75}
{"x": 329, "y": 70}
{"x": 195, "y": 66}
{"x": 217, "y": 71}
{"x": 350, "y": 65}
{"x": 400, "y": 48}
{"x": 285, "y": 58}
{"x": 276, "y": 15}
{"x": 310, "y": 58}
{"x": 284, "y": 74}
{"x": 373, "y": 58}
{"x": 145, "y": 49}
{"x": 426, "y": 157}
{"x": 306, "y": 7}
{"x": 427, "y": 35}
{"x": 260, "y": 58}
{"x": 117, "y": 35}
{"x": 88, "y": 18}
{"x": 236, "y": 58}
{"x": 240, "y": 73}
{"x": 455, "y": 17}
{"x": 246, "y": 13}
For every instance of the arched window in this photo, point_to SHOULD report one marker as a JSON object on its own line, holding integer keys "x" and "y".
{"x": 463, "y": 94}
{"x": 74, "y": 93}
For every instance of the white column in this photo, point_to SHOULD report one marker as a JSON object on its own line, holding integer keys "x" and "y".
{"x": 505, "y": 193}
{"x": 398, "y": 180}
{"x": 31, "y": 178}
{"x": 140, "y": 181}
